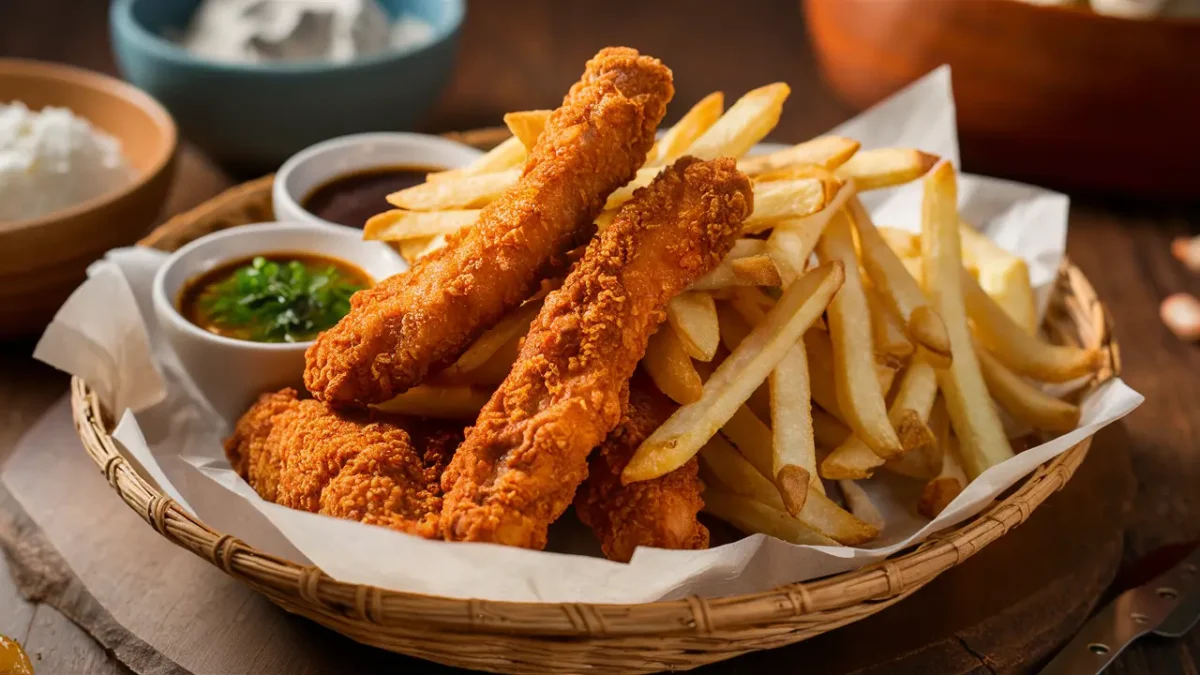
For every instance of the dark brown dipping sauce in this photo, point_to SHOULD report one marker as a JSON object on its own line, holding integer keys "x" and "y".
{"x": 352, "y": 198}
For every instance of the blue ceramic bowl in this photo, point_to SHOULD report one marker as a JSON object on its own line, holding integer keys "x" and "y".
{"x": 254, "y": 116}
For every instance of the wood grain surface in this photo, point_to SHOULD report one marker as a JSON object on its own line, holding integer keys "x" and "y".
{"x": 524, "y": 54}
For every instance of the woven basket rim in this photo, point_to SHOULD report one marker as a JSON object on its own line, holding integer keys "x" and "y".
{"x": 815, "y": 606}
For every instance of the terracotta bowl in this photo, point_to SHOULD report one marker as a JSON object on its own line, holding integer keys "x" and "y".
{"x": 42, "y": 260}
{"x": 1057, "y": 96}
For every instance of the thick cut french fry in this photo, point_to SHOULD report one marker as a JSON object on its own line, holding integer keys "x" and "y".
{"x": 794, "y": 454}
{"x": 828, "y": 431}
{"x": 1018, "y": 350}
{"x": 746, "y": 123}
{"x": 981, "y": 436}
{"x": 886, "y": 329}
{"x": 756, "y": 270}
{"x": 469, "y": 192}
{"x": 412, "y": 249}
{"x": 826, "y": 151}
{"x": 793, "y": 240}
{"x": 898, "y": 287}
{"x": 950, "y": 481}
{"x": 925, "y": 464}
{"x": 1001, "y": 275}
{"x": 756, "y": 443}
{"x": 514, "y": 325}
{"x": 1025, "y": 402}
{"x": 675, "y": 142}
{"x": 908, "y": 414}
{"x": 667, "y": 363}
{"x": 751, "y": 516}
{"x": 682, "y": 435}
{"x": 783, "y": 199}
{"x": 726, "y": 468}
{"x": 724, "y": 274}
{"x": 795, "y": 449}
{"x": 860, "y": 504}
{"x": 527, "y": 125}
{"x": 821, "y": 375}
{"x": 450, "y": 402}
{"x": 399, "y": 225}
{"x": 885, "y": 167}
{"x": 858, "y": 393}
{"x": 693, "y": 316}
{"x": 507, "y": 155}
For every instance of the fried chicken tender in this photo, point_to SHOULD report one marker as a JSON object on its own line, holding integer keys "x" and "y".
{"x": 659, "y": 512}
{"x": 419, "y": 320}
{"x": 520, "y": 464}
{"x": 379, "y": 470}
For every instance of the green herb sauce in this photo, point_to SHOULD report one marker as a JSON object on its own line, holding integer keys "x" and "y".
{"x": 272, "y": 298}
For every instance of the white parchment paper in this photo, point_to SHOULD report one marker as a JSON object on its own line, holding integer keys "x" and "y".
{"x": 106, "y": 334}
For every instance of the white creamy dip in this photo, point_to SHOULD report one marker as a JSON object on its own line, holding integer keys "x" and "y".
{"x": 53, "y": 159}
{"x": 257, "y": 31}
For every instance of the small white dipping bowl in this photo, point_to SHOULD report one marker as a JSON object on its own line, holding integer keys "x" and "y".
{"x": 231, "y": 373}
{"x": 315, "y": 166}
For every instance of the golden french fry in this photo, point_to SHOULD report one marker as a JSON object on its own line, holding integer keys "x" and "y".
{"x": 886, "y": 329}
{"x": 822, "y": 378}
{"x": 725, "y": 275}
{"x": 981, "y": 436}
{"x": 746, "y": 123}
{"x": 399, "y": 225}
{"x": 450, "y": 402}
{"x": 903, "y": 243}
{"x": 827, "y": 151}
{"x": 751, "y": 516}
{"x": 898, "y": 287}
{"x": 908, "y": 413}
{"x": 828, "y": 431}
{"x": 791, "y": 418}
{"x": 515, "y": 324}
{"x": 858, "y": 393}
{"x": 682, "y": 435}
{"x": 667, "y": 363}
{"x": 1025, "y": 402}
{"x": 754, "y": 440}
{"x": 1001, "y": 275}
{"x": 860, "y": 504}
{"x": 756, "y": 270}
{"x": 950, "y": 481}
{"x": 729, "y": 471}
{"x": 798, "y": 172}
{"x": 506, "y": 155}
{"x": 925, "y": 463}
{"x": 493, "y": 371}
{"x": 412, "y": 249}
{"x": 783, "y": 199}
{"x": 1018, "y": 350}
{"x": 675, "y": 142}
{"x": 885, "y": 167}
{"x": 527, "y": 125}
{"x": 693, "y": 316}
{"x": 794, "y": 459}
{"x": 793, "y": 240}
{"x": 468, "y": 192}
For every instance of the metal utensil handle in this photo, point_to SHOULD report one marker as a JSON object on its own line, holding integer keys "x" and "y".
{"x": 1133, "y": 614}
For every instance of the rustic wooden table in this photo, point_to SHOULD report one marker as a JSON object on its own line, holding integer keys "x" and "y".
{"x": 523, "y": 55}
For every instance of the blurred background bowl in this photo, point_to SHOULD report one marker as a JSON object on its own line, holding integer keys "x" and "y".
{"x": 43, "y": 259}
{"x": 254, "y": 116}
{"x": 1057, "y": 96}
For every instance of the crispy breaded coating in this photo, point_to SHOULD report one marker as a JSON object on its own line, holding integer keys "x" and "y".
{"x": 380, "y": 470}
{"x": 519, "y": 466}
{"x": 424, "y": 318}
{"x": 660, "y": 512}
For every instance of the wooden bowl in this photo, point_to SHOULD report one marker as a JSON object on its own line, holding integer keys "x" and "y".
{"x": 43, "y": 259}
{"x": 1055, "y": 96}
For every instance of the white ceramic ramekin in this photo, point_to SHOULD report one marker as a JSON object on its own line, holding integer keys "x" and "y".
{"x": 230, "y": 373}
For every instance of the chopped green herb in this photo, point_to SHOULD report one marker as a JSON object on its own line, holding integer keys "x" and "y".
{"x": 277, "y": 300}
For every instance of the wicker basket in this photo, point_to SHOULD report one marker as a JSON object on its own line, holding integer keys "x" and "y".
{"x": 514, "y": 637}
